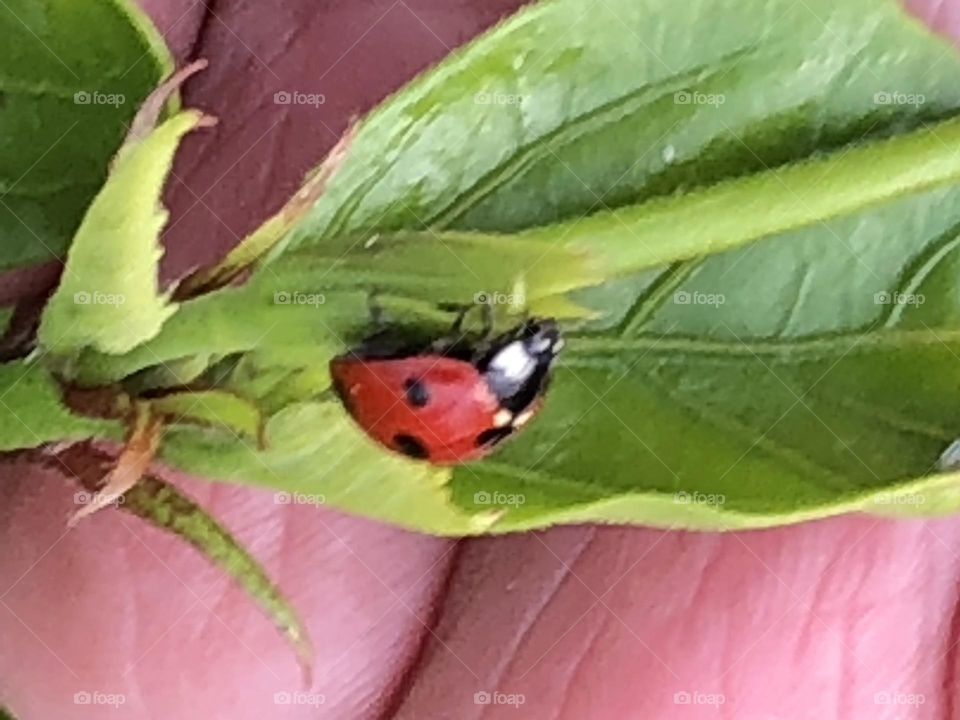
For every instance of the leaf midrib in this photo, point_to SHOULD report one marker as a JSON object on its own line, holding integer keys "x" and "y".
{"x": 585, "y": 124}
{"x": 582, "y": 347}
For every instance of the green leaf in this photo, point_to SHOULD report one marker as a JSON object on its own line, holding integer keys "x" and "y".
{"x": 775, "y": 378}
{"x": 109, "y": 296}
{"x": 73, "y": 76}
{"x": 558, "y": 258}
{"x": 569, "y": 108}
{"x": 540, "y": 264}
{"x": 316, "y": 454}
{"x": 212, "y": 408}
{"x": 746, "y": 384}
{"x": 935, "y": 497}
{"x": 768, "y": 203}
{"x": 163, "y": 505}
{"x": 32, "y": 411}
{"x": 208, "y": 327}
{"x": 711, "y": 401}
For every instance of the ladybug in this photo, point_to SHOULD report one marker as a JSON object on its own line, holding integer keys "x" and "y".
{"x": 447, "y": 401}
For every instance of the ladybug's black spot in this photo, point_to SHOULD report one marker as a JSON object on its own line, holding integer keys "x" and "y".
{"x": 411, "y": 447}
{"x": 417, "y": 394}
{"x": 489, "y": 438}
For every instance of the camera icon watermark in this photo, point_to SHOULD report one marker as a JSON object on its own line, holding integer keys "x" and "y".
{"x": 899, "y": 698}
{"x": 899, "y": 298}
{"x": 483, "y": 697}
{"x": 299, "y": 498}
{"x": 698, "y": 698}
{"x": 284, "y": 97}
{"x": 98, "y": 298}
{"x": 498, "y": 98}
{"x": 682, "y": 297}
{"x": 499, "y": 298}
{"x": 683, "y": 97}
{"x": 699, "y": 498}
{"x": 84, "y": 497}
{"x": 899, "y": 98}
{"x": 287, "y": 297}
{"x": 85, "y": 97}
{"x": 299, "y": 698}
{"x": 900, "y": 498}
{"x": 95, "y": 697}
{"x": 499, "y": 499}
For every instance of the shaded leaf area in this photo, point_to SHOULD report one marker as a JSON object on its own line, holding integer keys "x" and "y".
{"x": 73, "y": 77}
{"x": 770, "y": 394}
{"x": 568, "y": 108}
{"x": 554, "y": 259}
{"x": 32, "y": 412}
{"x": 215, "y": 408}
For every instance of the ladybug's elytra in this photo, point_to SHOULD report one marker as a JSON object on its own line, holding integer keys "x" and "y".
{"x": 447, "y": 402}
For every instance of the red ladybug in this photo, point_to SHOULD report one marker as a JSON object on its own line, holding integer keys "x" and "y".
{"x": 447, "y": 402}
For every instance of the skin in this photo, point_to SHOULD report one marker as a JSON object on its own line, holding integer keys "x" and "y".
{"x": 804, "y": 622}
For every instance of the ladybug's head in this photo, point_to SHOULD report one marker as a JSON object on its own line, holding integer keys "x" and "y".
{"x": 517, "y": 366}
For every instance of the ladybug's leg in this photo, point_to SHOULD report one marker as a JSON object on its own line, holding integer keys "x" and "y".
{"x": 375, "y": 309}
{"x": 486, "y": 317}
{"x": 481, "y": 347}
{"x": 456, "y": 330}
{"x": 455, "y": 342}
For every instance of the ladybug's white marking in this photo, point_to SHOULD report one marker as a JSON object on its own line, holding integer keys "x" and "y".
{"x": 522, "y": 418}
{"x": 503, "y": 417}
{"x": 514, "y": 363}
{"x": 540, "y": 344}
{"x": 518, "y": 362}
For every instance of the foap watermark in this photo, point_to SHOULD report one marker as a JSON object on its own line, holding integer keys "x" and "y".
{"x": 95, "y": 697}
{"x": 499, "y": 298}
{"x": 299, "y": 498}
{"x": 85, "y": 97}
{"x": 498, "y": 98}
{"x": 683, "y": 97}
{"x": 699, "y": 498}
{"x": 98, "y": 298}
{"x": 889, "y": 697}
{"x": 482, "y": 697}
{"x": 698, "y": 698}
{"x": 900, "y": 498}
{"x": 84, "y": 497}
{"x": 299, "y": 98}
{"x": 682, "y": 297}
{"x": 285, "y": 297}
{"x": 899, "y": 98}
{"x": 298, "y": 698}
{"x": 898, "y": 298}
{"x": 499, "y": 498}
